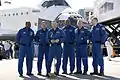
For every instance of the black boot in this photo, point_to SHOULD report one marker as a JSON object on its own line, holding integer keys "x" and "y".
{"x": 21, "y": 75}
{"x": 56, "y": 73}
{"x": 71, "y": 73}
{"x": 47, "y": 75}
{"x": 64, "y": 73}
{"x": 84, "y": 73}
{"x": 78, "y": 72}
{"x": 39, "y": 74}
{"x": 101, "y": 74}
{"x": 94, "y": 73}
{"x": 29, "y": 74}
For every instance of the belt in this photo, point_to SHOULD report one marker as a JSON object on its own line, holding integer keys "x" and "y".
{"x": 25, "y": 44}
{"x": 68, "y": 43}
{"x": 55, "y": 44}
{"x": 81, "y": 44}
{"x": 44, "y": 44}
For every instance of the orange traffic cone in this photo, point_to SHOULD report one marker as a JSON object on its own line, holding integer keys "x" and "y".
{"x": 114, "y": 54}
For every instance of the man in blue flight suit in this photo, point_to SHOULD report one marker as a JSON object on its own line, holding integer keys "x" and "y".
{"x": 25, "y": 38}
{"x": 41, "y": 39}
{"x": 98, "y": 37}
{"x": 81, "y": 36}
{"x": 68, "y": 48}
{"x": 55, "y": 38}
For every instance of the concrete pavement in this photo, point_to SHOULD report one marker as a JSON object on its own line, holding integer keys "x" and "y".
{"x": 8, "y": 71}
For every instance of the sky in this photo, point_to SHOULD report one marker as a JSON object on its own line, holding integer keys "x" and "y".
{"x": 80, "y": 4}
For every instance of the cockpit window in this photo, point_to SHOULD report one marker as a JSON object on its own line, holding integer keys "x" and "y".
{"x": 55, "y": 2}
{"x": 45, "y": 4}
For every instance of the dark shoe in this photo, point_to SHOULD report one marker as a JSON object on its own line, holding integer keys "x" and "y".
{"x": 47, "y": 75}
{"x": 110, "y": 60}
{"x": 70, "y": 73}
{"x": 56, "y": 73}
{"x": 39, "y": 74}
{"x": 64, "y": 73}
{"x": 30, "y": 74}
{"x": 78, "y": 72}
{"x": 94, "y": 73}
{"x": 101, "y": 74}
{"x": 21, "y": 75}
{"x": 84, "y": 73}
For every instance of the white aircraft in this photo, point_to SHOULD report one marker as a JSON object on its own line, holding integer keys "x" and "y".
{"x": 14, "y": 14}
{"x": 107, "y": 10}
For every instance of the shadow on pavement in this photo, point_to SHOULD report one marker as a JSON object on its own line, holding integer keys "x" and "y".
{"x": 73, "y": 77}
{"x": 61, "y": 78}
{"x": 33, "y": 78}
{"x": 45, "y": 78}
{"x": 95, "y": 77}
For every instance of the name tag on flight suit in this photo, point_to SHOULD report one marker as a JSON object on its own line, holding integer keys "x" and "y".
{"x": 70, "y": 30}
{"x": 82, "y": 31}
{"x": 58, "y": 32}
{"x": 97, "y": 29}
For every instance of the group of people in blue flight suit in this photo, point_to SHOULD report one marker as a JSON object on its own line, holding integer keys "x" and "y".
{"x": 50, "y": 40}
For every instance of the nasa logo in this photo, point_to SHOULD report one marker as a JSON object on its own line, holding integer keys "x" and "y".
{"x": 81, "y": 38}
{"x": 24, "y": 32}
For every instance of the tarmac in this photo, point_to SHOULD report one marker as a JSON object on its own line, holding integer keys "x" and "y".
{"x": 8, "y": 71}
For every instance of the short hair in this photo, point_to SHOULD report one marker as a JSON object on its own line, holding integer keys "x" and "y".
{"x": 68, "y": 20}
{"x": 54, "y": 22}
{"x": 28, "y": 22}
{"x": 95, "y": 18}
{"x": 80, "y": 20}
{"x": 43, "y": 22}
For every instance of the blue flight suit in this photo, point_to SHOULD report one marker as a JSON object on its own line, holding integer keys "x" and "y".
{"x": 41, "y": 39}
{"x": 25, "y": 38}
{"x": 81, "y": 37}
{"x": 55, "y": 48}
{"x": 68, "y": 48}
{"x": 33, "y": 47}
{"x": 98, "y": 37}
